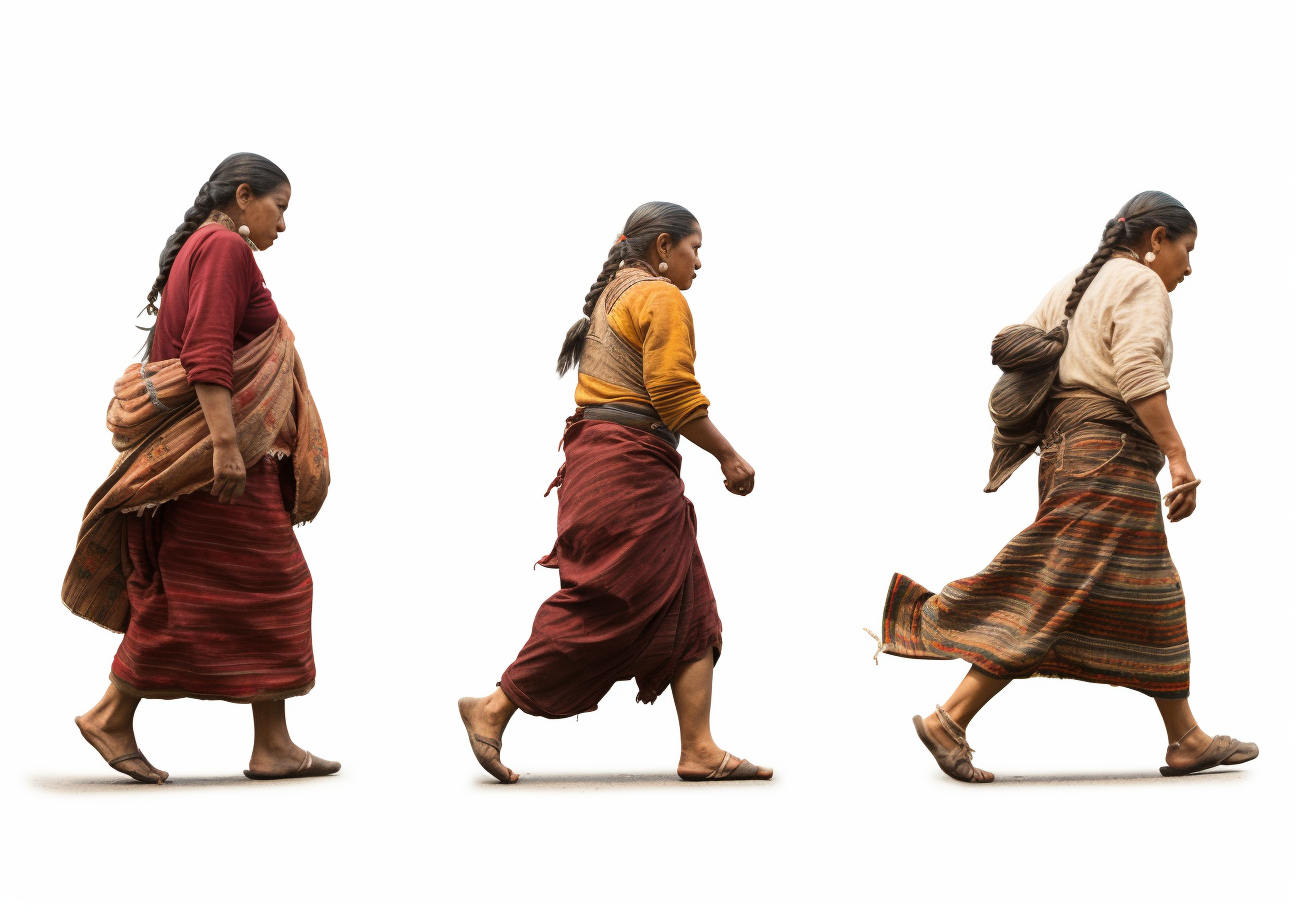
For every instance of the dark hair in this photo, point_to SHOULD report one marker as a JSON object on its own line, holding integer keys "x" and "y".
{"x": 647, "y": 223}
{"x": 1138, "y": 218}
{"x": 257, "y": 171}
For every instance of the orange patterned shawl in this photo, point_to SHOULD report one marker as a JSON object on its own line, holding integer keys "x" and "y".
{"x": 166, "y": 451}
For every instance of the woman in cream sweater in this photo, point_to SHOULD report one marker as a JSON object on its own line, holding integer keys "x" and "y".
{"x": 1088, "y": 591}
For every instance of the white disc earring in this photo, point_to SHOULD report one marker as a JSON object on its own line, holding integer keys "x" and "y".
{"x": 245, "y": 231}
{"x": 662, "y": 267}
{"x": 1149, "y": 257}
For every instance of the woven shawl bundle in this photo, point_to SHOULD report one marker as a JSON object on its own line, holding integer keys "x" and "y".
{"x": 1029, "y": 359}
{"x": 166, "y": 451}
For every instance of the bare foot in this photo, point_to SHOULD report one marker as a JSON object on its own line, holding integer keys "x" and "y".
{"x": 112, "y": 743}
{"x": 701, "y": 762}
{"x": 485, "y": 730}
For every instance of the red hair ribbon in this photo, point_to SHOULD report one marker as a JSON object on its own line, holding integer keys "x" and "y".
{"x": 622, "y": 237}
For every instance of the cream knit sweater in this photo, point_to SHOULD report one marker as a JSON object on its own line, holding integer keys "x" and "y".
{"x": 1119, "y": 338}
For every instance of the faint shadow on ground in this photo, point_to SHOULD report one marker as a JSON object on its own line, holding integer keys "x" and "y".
{"x": 594, "y": 781}
{"x": 1217, "y": 776}
{"x": 108, "y": 784}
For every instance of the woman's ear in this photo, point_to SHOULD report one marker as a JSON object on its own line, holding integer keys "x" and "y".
{"x": 1157, "y": 238}
{"x": 243, "y": 195}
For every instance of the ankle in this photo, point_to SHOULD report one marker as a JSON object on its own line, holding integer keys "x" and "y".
{"x": 107, "y": 721}
{"x": 693, "y": 749}
{"x": 1193, "y": 740}
{"x": 273, "y": 747}
{"x": 497, "y": 709}
{"x": 958, "y": 715}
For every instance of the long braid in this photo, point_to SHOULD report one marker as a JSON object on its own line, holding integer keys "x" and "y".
{"x": 194, "y": 216}
{"x": 1113, "y": 239}
{"x": 574, "y": 344}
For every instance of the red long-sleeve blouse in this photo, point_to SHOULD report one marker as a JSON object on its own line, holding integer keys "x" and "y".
{"x": 215, "y": 301}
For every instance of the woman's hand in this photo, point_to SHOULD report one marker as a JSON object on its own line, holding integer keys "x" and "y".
{"x": 1181, "y": 499}
{"x": 739, "y": 476}
{"x": 1154, "y": 413}
{"x": 229, "y": 477}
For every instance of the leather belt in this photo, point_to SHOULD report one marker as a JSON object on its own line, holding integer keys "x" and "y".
{"x": 629, "y": 418}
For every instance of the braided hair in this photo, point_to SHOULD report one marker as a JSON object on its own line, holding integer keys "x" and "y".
{"x": 647, "y": 223}
{"x": 1137, "y": 219}
{"x": 257, "y": 171}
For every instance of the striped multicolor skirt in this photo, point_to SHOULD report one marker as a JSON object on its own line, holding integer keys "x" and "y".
{"x": 1087, "y": 591}
{"x": 220, "y": 599}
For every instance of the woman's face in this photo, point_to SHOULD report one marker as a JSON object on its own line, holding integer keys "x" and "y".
{"x": 264, "y": 215}
{"x": 681, "y": 259}
{"x": 1172, "y": 257}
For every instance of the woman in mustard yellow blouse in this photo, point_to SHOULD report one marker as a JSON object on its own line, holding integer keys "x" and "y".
{"x": 635, "y": 601}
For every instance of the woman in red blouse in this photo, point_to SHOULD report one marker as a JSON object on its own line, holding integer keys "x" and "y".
{"x": 219, "y": 592}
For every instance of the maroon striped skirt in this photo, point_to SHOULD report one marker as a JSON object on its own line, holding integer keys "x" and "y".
{"x": 220, "y": 599}
{"x": 635, "y": 601}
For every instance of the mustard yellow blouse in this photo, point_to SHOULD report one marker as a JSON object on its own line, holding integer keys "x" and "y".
{"x": 653, "y": 321}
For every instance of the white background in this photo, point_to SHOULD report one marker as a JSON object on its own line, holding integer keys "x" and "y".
{"x": 881, "y": 188}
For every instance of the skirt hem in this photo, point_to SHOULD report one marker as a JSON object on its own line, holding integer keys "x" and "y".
{"x": 179, "y": 693}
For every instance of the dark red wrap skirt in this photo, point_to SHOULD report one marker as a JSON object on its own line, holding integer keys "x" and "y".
{"x": 220, "y": 599}
{"x": 635, "y": 601}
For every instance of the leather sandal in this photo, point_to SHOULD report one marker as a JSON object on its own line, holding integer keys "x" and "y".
{"x": 138, "y": 777}
{"x": 310, "y": 766}
{"x": 744, "y": 770}
{"x": 1222, "y": 751}
{"x": 956, "y": 762}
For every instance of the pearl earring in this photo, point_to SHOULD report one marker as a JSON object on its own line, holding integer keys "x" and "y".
{"x": 662, "y": 267}
{"x": 1149, "y": 257}
{"x": 245, "y": 231}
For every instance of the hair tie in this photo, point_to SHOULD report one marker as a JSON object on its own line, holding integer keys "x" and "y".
{"x": 1121, "y": 219}
{"x": 621, "y": 238}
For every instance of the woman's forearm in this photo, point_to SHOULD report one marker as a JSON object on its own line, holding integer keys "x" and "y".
{"x": 703, "y": 433}
{"x": 1154, "y": 412}
{"x": 229, "y": 475}
{"x": 739, "y": 476}
{"x": 218, "y": 409}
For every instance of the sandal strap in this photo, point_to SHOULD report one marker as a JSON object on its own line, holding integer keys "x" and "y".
{"x": 489, "y": 742}
{"x": 306, "y": 764}
{"x": 953, "y": 729}
{"x": 133, "y": 755}
{"x": 720, "y": 772}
